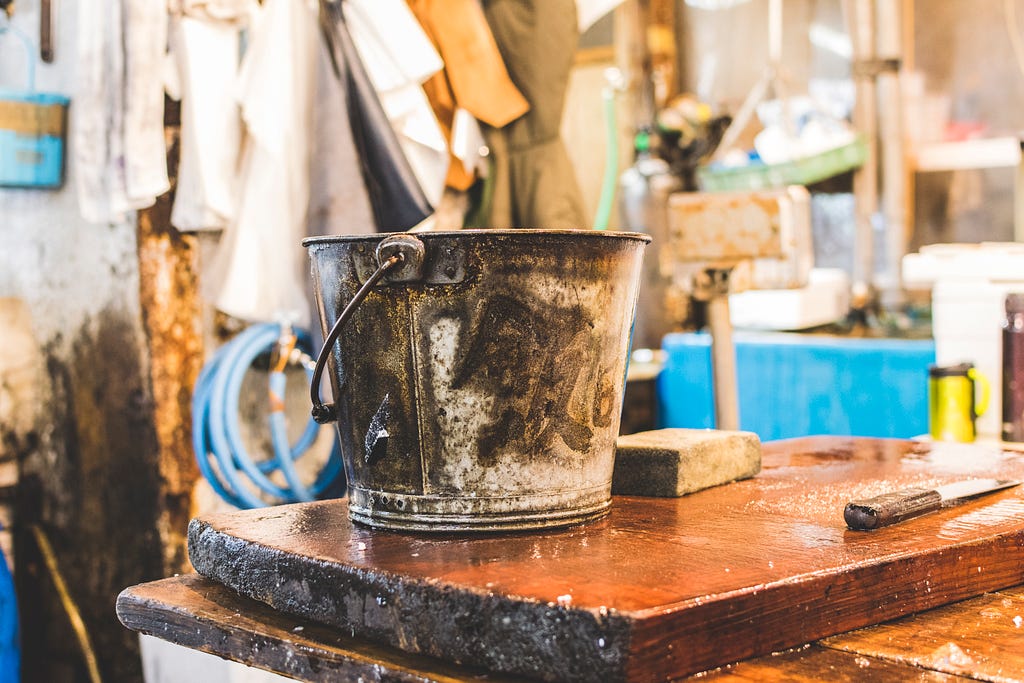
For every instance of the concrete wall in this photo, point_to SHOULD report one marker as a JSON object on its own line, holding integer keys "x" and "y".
{"x": 81, "y": 425}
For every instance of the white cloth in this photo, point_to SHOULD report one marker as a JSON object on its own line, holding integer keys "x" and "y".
{"x": 212, "y": 10}
{"x": 259, "y": 270}
{"x": 589, "y": 11}
{"x": 206, "y": 57}
{"x": 118, "y": 142}
{"x": 467, "y": 143}
{"x": 399, "y": 58}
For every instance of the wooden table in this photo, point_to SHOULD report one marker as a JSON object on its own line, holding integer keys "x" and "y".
{"x": 692, "y": 583}
{"x": 977, "y": 639}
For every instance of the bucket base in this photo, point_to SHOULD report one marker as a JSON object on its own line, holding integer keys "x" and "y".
{"x": 514, "y": 520}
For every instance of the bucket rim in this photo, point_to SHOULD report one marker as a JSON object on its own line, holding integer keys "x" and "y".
{"x": 493, "y": 232}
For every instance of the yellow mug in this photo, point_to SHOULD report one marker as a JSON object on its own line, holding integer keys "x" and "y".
{"x": 952, "y": 409}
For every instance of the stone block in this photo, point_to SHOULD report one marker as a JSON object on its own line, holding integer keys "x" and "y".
{"x": 675, "y": 462}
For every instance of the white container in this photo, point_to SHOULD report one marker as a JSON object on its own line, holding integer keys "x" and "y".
{"x": 969, "y": 285}
{"x": 824, "y": 300}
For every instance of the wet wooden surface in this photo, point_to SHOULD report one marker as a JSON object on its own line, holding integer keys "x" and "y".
{"x": 201, "y": 614}
{"x": 982, "y": 637}
{"x": 661, "y": 587}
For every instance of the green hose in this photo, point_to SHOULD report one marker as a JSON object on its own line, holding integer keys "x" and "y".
{"x": 611, "y": 163}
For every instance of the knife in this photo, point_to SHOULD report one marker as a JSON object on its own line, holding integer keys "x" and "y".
{"x": 896, "y": 506}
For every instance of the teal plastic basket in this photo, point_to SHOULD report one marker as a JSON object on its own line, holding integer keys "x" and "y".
{"x": 33, "y": 129}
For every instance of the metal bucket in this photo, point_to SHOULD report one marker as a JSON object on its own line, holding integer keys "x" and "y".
{"x": 478, "y": 375}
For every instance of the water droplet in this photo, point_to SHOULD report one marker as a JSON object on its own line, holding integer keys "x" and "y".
{"x": 1018, "y": 620}
{"x": 600, "y": 641}
{"x": 771, "y": 565}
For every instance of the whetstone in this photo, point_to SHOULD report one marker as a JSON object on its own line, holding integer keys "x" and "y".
{"x": 675, "y": 462}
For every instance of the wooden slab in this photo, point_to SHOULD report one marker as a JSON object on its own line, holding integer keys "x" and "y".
{"x": 195, "y": 612}
{"x": 658, "y": 589}
{"x": 200, "y": 614}
{"x": 203, "y": 614}
{"x": 982, "y": 638}
{"x": 815, "y": 664}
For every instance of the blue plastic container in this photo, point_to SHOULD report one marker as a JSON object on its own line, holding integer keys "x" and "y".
{"x": 10, "y": 645}
{"x": 799, "y": 385}
{"x": 32, "y": 130}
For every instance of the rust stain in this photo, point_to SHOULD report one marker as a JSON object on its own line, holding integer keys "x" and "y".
{"x": 725, "y": 227}
{"x": 172, "y": 310}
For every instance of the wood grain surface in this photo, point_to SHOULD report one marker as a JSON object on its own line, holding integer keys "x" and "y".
{"x": 814, "y": 664}
{"x": 196, "y": 612}
{"x": 982, "y": 638}
{"x": 658, "y": 589}
{"x": 203, "y": 615}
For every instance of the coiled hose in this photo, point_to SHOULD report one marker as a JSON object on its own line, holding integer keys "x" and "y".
{"x": 220, "y": 451}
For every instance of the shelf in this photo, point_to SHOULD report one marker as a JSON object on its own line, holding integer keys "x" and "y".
{"x": 1003, "y": 152}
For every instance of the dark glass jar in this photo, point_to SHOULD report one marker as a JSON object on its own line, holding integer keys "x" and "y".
{"x": 1013, "y": 369}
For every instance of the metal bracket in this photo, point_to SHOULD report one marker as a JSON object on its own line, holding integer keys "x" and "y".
{"x": 442, "y": 261}
{"x": 411, "y": 252}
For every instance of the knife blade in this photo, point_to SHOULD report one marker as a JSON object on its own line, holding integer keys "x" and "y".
{"x": 889, "y": 508}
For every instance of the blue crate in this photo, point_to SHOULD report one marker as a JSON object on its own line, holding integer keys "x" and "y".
{"x": 799, "y": 385}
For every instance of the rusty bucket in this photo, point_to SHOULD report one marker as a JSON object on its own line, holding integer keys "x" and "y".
{"x": 477, "y": 375}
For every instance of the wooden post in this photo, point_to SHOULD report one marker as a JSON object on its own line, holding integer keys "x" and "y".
{"x": 169, "y": 296}
{"x": 892, "y": 152}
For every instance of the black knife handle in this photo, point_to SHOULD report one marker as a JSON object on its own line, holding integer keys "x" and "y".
{"x": 890, "y": 508}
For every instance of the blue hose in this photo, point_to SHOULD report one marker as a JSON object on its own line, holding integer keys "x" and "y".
{"x": 216, "y": 431}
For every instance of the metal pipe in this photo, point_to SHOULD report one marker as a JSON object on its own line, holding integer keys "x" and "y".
{"x": 723, "y": 363}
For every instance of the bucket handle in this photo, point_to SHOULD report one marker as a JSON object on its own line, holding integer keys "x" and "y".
{"x": 405, "y": 254}
{"x": 30, "y": 62}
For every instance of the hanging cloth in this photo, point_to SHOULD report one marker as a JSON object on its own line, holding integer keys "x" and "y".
{"x": 534, "y": 182}
{"x": 120, "y": 156}
{"x": 397, "y": 198}
{"x": 259, "y": 272}
{"x": 399, "y": 58}
{"x": 338, "y": 200}
{"x": 474, "y": 84}
{"x": 205, "y": 52}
